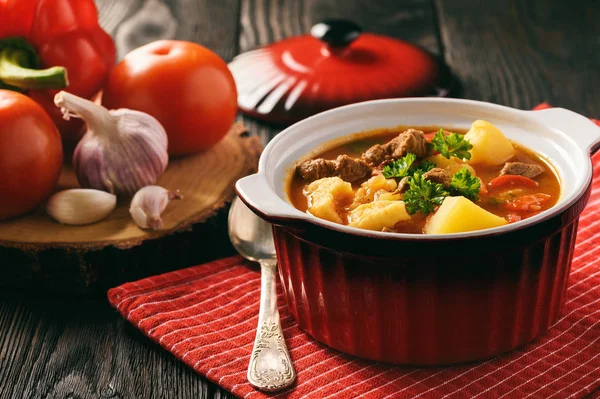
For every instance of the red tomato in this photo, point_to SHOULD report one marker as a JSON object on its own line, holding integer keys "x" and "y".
{"x": 187, "y": 87}
{"x": 30, "y": 154}
{"x": 528, "y": 202}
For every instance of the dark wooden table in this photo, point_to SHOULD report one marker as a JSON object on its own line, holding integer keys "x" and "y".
{"x": 510, "y": 52}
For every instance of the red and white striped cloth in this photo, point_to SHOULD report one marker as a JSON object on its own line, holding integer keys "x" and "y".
{"x": 206, "y": 316}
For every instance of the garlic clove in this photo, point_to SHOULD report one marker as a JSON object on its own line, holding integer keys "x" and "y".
{"x": 149, "y": 203}
{"x": 80, "y": 206}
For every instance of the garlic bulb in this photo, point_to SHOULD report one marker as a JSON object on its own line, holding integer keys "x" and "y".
{"x": 149, "y": 203}
{"x": 80, "y": 206}
{"x": 122, "y": 151}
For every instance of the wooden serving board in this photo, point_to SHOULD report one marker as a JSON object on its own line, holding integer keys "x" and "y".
{"x": 36, "y": 251}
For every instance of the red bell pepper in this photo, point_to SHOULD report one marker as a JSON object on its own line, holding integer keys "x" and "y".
{"x": 62, "y": 36}
{"x": 512, "y": 180}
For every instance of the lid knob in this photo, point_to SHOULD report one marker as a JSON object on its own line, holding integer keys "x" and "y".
{"x": 336, "y": 32}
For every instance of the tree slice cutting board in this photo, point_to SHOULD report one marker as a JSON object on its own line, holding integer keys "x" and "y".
{"x": 37, "y": 252}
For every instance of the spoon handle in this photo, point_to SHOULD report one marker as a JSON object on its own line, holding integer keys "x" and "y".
{"x": 270, "y": 367}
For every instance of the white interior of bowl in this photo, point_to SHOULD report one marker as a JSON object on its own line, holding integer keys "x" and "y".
{"x": 563, "y": 137}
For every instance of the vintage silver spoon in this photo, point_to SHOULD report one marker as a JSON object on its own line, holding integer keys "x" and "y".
{"x": 270, "y": 367}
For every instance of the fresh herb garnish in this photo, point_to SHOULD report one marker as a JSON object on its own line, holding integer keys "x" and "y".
{"x": 465, "y": 184}
{"x": 400, "y": 167}
{"x": 403, "y": 167}
{"x": 423, "y": 195}
{"x": 423, "y": 167}
{"x": 453, "y": 145}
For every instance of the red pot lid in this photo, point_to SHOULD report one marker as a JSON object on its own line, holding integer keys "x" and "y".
{"x": 335, "y": 65}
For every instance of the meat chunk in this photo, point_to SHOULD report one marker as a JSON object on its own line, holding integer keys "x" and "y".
{"x": 438, "y": 175}
{"x": 410, "y": 140}
{"x": 350, "y": 169}
{"x": 377, "y": 154}
{"x": 402, "y": 186}
{"x": 315, "y": 169}
{"x": 344, "y": 167}
{"x": 521, "y": 169}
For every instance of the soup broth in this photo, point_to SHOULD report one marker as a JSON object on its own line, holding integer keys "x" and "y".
{"x": 515, "y": 200}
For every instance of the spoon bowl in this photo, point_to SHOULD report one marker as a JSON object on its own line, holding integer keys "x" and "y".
{"x": 250, "y": 235}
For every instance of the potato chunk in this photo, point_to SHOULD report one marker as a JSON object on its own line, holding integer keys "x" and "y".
{"x": 383, "y": 195}
{"x": 373, "y": 189}
{"x": 367, "y": 190}
{"x": 458, "y": 214}
{"x": 451, "y": 165}
{"x": 377, "y": 215}
{"x": 441, "y": 161}
{"x": 325, "y": 194}
{"x": 490, "y": 146}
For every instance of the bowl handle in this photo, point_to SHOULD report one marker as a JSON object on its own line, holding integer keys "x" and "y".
{"x": 255, "y": 191}
{"x": 585, "y": 132}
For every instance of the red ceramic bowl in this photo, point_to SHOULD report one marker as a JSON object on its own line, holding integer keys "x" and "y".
{"x": 426, "y": 299}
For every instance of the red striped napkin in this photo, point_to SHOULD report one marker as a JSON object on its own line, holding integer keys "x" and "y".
{"x": 207, "y": 315}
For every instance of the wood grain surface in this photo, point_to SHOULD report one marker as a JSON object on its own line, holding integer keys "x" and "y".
{"x": 36, "y": 253}
{"x": 512, "y": 52}
{"x": 203, "y": 195}
{"x": 520, "y": 53}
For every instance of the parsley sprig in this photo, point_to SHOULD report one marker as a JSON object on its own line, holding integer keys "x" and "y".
{"x": 403, "y": 167}
{"x": 399, "y": 167}
{"x": 453, "y": 145}
{"x": 423, "y": 167}
{"x": 423, "y": 195}
{"x": 465, "y": 184}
